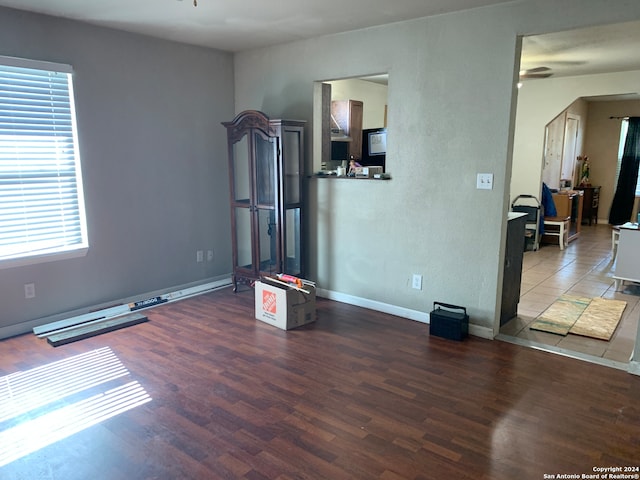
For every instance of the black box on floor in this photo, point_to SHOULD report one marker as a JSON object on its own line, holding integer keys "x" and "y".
{"x": 448, "y": 321}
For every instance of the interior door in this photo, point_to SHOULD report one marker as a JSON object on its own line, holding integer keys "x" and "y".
{"x": 569, "y": 149}
{"x": 553, "y": 143}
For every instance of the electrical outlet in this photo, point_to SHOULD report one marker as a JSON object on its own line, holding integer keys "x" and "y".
{"x": 199, "y": 256}
{"x": 417, "y": 281}
{"x": 209, "y": 255}
{"x": 484, "y": 181}
{"x": 29, "y": 290}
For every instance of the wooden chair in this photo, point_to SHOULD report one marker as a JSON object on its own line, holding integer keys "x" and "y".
{"x": 558, "y": 227}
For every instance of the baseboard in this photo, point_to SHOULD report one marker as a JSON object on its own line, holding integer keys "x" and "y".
{"x": 480, "y": 331}
{"x": 178, "y": 292}
{"x": 407, "y": 313}
{"x": 374, "y": 305}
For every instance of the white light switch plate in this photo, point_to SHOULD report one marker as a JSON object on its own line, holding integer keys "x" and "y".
{"x": 485, "y": 181}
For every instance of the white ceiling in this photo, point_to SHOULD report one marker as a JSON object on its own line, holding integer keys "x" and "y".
{"x": 244, "y": 24}
{"x": 236, "y": 25}
{"x": 601, "y": 49}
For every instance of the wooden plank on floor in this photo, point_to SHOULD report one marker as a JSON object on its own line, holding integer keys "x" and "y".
{"x": 95, "y": 328}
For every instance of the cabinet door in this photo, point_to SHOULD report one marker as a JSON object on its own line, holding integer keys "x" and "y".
{"x": 292, "y": 161}
{"x": 241, "y": 167}
{"x": 266, "y": 222}
{"x": 348, "y": 115}
{"x": 254, "y": 196}
{"x": 241, "y": 195}
{"x": 628, "y": 260}
{"x": 355, "y": 147}
{"x": 243, "y": 238}
{"x": 293, "y": 241}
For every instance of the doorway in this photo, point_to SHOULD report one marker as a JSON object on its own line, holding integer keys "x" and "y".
{"x": 587, "y": 262}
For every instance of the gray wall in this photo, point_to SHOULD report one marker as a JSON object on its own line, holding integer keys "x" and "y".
{"x": 154, "y": 156}
{"x": 153, "y": 159}
{"x": 451, "y": 116}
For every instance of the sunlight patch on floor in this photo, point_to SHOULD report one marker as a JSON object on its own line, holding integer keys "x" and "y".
{"x": 46, "y": 404}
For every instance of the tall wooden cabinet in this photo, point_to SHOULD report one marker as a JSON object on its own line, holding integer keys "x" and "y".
{"x": 590, "y": 204}
{"x": 266, "y": 174}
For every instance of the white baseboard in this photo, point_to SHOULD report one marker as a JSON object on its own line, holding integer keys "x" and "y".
{"x": 374, "y": 305}
{"x": 418, "y": 316}
{"x": 480, "y": 331}
{"x": 179, "y": 292}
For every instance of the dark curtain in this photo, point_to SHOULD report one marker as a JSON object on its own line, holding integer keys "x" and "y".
{"x": 622, "y": 205}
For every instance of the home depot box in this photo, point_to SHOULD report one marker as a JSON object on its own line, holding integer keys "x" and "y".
{"x": 283, "y": 306}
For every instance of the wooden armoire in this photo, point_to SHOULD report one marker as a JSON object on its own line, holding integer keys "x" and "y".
{"x": 266, "y": 174}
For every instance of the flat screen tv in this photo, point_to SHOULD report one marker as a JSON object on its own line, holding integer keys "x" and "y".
{"x": 374, "y": 147}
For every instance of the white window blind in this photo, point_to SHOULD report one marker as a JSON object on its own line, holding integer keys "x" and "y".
{"x": 41, "y": 199}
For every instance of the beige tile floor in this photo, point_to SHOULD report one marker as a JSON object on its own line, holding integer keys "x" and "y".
{"x": 584, "y": 268}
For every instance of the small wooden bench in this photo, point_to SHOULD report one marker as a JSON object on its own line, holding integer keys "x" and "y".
{"x": 558, "y": 227}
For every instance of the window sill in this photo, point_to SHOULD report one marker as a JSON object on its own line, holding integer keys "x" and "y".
{"x": 43, "y": 258}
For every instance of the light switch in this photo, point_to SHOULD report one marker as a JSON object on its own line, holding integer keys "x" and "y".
{"x": 485, "y": 181}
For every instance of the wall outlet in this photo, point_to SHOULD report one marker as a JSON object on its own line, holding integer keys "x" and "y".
{"x": 199, "y": 256}
{"x": 29, "y": 290}
{"x": 209, "y": 255}
{"x": 417, "y": 281}
{"x": 484, "y": 181}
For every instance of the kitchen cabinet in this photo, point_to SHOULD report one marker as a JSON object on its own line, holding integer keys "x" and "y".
{"x": 627, "y": 266}
{"x": 347, "y": 115}
{"x": 590, "y": 204}
{"x": 266, "y": 174}
{"x": 512, "y": 273}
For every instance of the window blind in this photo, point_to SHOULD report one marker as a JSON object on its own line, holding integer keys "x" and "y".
{"x": 41, "y": 199}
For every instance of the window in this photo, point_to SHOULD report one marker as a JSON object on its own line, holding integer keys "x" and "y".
{"x": 623, "y": 136}
{"x": 41, "y": 201}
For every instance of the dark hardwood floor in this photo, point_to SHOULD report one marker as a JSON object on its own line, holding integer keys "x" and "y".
{"x": 357, "y": 395}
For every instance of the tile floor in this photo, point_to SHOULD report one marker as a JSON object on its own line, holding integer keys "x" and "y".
{"x": 584, "y": 268}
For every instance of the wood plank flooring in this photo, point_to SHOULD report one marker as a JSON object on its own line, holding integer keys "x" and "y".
{"x": 356, "y": 395}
